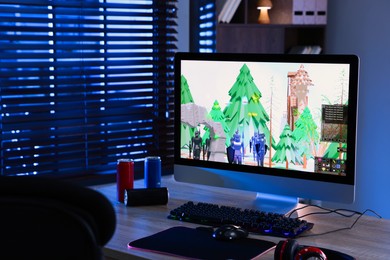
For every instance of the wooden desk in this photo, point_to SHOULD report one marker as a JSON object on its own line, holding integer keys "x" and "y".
{"x": 369, "y": 238}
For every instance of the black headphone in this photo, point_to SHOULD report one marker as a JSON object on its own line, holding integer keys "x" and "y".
{"x": 290, "y": 250}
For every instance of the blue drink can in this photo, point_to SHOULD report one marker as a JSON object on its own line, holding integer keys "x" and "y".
{"x": 152, "y": 172}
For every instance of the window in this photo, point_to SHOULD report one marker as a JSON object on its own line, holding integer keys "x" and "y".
{"x": 203, "y": 26}
{"x": 84, "y": 83}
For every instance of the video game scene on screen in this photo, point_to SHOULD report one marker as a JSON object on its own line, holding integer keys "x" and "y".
{"x": 292, "y": 116}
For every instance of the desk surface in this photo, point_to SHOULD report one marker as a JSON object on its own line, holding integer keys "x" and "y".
{"x": 368, "y": 239}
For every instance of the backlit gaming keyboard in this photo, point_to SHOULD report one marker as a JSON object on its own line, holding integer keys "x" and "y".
{"x": 271, "y": 224}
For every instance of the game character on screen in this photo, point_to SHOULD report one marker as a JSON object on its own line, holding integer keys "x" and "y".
{"x": 252, "y": 145}
{"x": 238, "y": 147}
{"x": 258, "y": 147}
{"x": 196, "y": 144}
{"x": 206, "y": 149}
{"x": 261, "y": 149}
{"x": 230, "y": 151}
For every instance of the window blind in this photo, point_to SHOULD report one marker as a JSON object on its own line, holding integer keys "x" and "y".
{"x": 84, "y": 83}
{"x": 203, "y": 26}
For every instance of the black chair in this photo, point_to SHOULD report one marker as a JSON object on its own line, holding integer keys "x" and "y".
{"x": 44, "y": 218}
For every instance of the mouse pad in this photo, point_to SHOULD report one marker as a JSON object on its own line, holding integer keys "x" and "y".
{"x": 199, "y": 244}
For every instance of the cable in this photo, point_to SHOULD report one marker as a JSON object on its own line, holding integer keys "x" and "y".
{"x": 351, "y": 213}
{"x": 327, "y": 211}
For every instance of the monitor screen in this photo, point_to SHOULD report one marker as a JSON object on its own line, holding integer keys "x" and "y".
{"x": 273, "y": 124}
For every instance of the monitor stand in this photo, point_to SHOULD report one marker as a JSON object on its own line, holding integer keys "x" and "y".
{"x": 275, "y": 203}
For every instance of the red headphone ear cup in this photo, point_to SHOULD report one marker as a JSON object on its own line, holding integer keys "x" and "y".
{"x": 310, "y": 251}
{"x": 279, "y": 249}
{"x": 286, "y": 249}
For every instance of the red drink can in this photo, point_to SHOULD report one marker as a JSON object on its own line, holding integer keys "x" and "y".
{"x": 124, "y": 177}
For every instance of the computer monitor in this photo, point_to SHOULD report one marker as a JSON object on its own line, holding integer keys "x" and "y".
{"x": 283, "y": 126}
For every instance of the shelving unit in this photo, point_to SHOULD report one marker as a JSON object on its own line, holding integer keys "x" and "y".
{"x": 244, "y": 34}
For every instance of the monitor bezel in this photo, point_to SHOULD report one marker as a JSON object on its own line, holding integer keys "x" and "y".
{"x": 352, "y": 60}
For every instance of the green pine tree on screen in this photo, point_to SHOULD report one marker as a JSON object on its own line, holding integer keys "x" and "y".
{"x": 333, "y": 150}
{"x": 186, "y": 131}
{"x": 306, "y": 134}
{"x": 245, "y": 109}
{"x": 286, "y": 149}
{"x": 217, "y": 115}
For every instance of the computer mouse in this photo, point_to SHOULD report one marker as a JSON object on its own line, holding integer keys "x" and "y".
{"x": 229, "y": 232}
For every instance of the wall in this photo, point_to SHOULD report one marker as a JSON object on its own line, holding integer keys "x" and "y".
{"x": 183, "y": 25}
{"x": 363, "y": 27}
